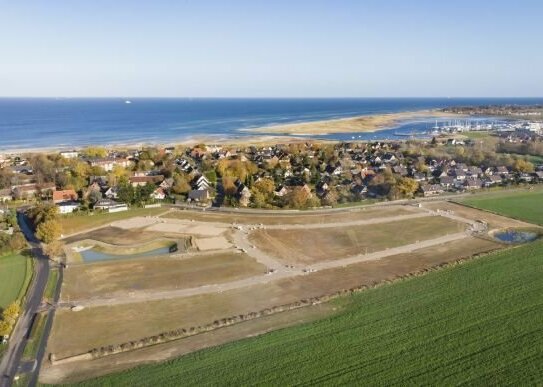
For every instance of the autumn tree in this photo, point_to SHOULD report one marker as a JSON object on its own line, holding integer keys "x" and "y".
{"x": 49, "y": 231}
{"x": 406, "y": 186}
{"x": 53, "y": 249}
{"x": 181, "y": 184}
{"x": 523, "y": 166}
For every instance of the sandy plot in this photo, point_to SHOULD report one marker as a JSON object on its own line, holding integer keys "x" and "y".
{"x": 213, "y": 243}
{"x": 78, "y": 332}
{"x": 187, "y": 228}
{"x": 136, "y": 222}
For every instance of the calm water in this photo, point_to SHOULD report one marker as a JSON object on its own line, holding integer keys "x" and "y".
{"x": 94, "y": 256}
{"x": 516, "y": 236}
{"x": 29, "y": 123}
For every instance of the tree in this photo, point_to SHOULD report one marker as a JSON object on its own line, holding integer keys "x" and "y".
{"x": 181, "y": 184}
{"x": 49, "y": 231}
{"x": 407, "y": 186}
{"x": 125, "y": 191}
{"x": 95, "y": 151}
{"x": 17, "y": 241}
{"x": 11, "y": 313}
{"x": 5, "y": 328}
{"x": 523, "y": 166}
{"x": 297, "y": 198}
{"x": 53, "y": 249}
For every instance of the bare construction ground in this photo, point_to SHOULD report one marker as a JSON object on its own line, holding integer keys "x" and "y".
{"x": 105, "y": 325}
{"x": 305, "y": 255}
{"x": 111, "y": 278}
{"x": 297, "y": 217}
{"x": 309, "y": 246}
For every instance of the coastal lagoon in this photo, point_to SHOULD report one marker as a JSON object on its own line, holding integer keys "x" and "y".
{"x": 27, "y": 123}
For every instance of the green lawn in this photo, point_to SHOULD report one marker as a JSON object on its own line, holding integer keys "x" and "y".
{"x": 15, "y": 274}
{"x": 477, "y": 323}
{"x": 527, "y": 206}
{"x": 75, "y": 223}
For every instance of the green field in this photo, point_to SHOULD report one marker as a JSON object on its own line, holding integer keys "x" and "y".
{"x": 15, "y": 273}
{"x": 477, "y": 323}
{"x": 527, "y": 206}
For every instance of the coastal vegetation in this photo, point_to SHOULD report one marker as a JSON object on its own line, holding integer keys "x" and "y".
{"x": 473, "y": 323}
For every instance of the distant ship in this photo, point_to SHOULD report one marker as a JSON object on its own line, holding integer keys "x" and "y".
{"x": 127, "y": 101}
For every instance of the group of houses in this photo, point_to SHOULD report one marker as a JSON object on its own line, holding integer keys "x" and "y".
{"x": 312, "y": 168}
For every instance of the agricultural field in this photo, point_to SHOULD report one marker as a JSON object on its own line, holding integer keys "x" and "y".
{"x": 112, "y": 277}
{"x": 524, "y": 205}
{"x": 307, "y": 246}
{"x": 77, "y": 223}
{"x": 476, "y": 323}
{"x": 15, "y": 274}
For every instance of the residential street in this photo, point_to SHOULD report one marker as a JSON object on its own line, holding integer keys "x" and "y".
{"x": 11, "y": 361}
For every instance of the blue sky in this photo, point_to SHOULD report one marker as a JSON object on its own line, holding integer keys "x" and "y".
{"x": 271, "y": 48}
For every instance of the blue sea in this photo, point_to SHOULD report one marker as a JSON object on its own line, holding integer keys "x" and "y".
{"x": 74, "y": 122}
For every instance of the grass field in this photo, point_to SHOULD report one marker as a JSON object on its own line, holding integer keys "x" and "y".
{"x": 477, "y": 323}
{"x": 307, "y": 246}
{"x": 76, "y": 223}
{"x": 15, "y": 274}
{"x": 526, "y": 206}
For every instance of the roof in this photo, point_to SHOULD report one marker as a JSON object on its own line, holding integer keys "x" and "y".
{"x": 65, "y": 195}
{"x": 199, "y": 194}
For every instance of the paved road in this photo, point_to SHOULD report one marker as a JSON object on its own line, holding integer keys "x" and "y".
{"x": 11, "y": 361}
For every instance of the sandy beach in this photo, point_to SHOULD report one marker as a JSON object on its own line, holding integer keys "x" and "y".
{"x": 367, "y": 123}
{"x": 268, "y": 135}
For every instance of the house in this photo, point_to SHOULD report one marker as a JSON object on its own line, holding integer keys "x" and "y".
{"x": 280, "y": 191}
{"x": 68, "y": 195}
{"x": 67, "y": 207}
{"x": 26, "y": 191}
{"x": 503, "y": 171}
{"x": 200, "y": 183}
{"x": 431, "y": 189}
{"x": 72, "y": 154}
{"x": 243, "y": 193}
{"x": 537, "y": 175}
{"x": 321, "y": 188}
{"x": 5, "y": 195}
{"x": 108, "y": 163}
{"x": 472, "y": 183}
{"x": 110, "y": 205}
{"x": 526, "y": 177}
{"x": 199, "y": 195}
{"x": 139, "y": 181}
{"x": 158, "y": 194}
{"x": 167, "y": 184}
{"x": 111, "y": 193}
{"x": 447, "y": 181}
{"x": 492, "y": 180}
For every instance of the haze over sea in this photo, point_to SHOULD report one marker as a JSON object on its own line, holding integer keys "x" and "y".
{"x": 28, "y": 123}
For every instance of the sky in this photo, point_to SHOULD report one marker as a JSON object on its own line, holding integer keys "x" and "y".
{"x": 263, "y": 48}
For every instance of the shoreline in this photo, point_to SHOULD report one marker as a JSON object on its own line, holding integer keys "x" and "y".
{"x": 273, "y": 134}
{"x": 359, "y": 124}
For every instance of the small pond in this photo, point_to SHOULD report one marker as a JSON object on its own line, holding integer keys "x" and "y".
{"x": 516, "y": 236}
{"x": 93, "y": 255}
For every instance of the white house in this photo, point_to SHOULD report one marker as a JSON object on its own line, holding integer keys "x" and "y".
{"x": 67, "y": 207}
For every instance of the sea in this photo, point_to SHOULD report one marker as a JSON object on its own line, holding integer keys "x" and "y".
{"x": 63, "y": 123}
